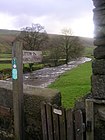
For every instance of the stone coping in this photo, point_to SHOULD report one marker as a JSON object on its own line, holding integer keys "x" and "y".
{"x": 31, "y": 90}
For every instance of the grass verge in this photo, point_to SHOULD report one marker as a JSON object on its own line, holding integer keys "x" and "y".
{"x": 5, "y": 56}
{"x": 5, "y": 66}
{"x": 74, "y": 84}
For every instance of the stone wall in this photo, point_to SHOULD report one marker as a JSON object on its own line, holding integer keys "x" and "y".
{"x": 98, "y": 68}
{"x": 32, "y": 100}
{"x": 93, "y": 104}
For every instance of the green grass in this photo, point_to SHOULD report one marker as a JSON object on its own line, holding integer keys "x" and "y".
{"x": 5, "y": 66}
{"x": 5, "y": 56}
{"x": 74, "y": 84}
{"x": 88, "y": 52}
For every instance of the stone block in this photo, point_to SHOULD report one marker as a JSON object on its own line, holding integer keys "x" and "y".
{"x": 99, "y": 16}
{"x": 99, "y": 31}
{"x": 99, "y": 41}
{"x": 98, "y": 86}
{"x": 98, "y": 3}
{"x": 99, "y": 11}
{"x": 99, "y": 52}
{"x": 98, "y": 67}
{"x": 95, "y": 112}
{"x": 99, "y": 122}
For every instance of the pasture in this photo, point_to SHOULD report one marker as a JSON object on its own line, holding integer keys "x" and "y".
{"x": 74, "y": 84}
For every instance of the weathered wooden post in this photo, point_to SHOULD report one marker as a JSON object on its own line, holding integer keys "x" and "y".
{"x": 96, "y": 106}
{"x": 17, "y": 77}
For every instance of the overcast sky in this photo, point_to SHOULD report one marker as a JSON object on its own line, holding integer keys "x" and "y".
{"x": 54, "y": 15}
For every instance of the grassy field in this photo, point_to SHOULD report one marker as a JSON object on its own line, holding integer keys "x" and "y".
{"x": 5, "y": 66}
{"x": 73, "y": 84}
{"x": 88, "y": 52}
{"x": 5, "y": 56}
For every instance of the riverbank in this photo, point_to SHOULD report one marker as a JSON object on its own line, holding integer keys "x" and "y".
{"x": 44, "y": 77}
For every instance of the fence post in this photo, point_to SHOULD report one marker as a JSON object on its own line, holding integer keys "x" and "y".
{"x": 62, "y": 119}
{"x": 56, "y": 123}
{"x": 78, "y": 125}
{"x": 44, "y": 121}
{"x": 89, "y": 119}
{"x": 17, "y": 77}
{"x": 70, "y": 124}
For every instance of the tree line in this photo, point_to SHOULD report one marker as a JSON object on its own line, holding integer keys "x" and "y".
{"x": 55, "y": 48}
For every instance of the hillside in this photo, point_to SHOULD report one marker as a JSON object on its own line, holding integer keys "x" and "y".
{"x": 7, "y": 37}
{"x": 87, "y": 42}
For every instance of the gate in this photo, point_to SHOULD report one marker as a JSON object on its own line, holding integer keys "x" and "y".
{"x": 61, "y": 124}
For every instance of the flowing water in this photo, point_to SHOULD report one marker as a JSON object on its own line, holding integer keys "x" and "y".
{"x": 43, "y": 77}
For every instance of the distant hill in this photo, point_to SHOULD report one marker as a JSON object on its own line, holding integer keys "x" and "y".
{"x": 9, "y": 32}
{"x": 7, "y": 37}
{"x": 87, "y": 42}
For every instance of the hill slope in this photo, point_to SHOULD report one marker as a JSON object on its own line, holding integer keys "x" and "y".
{"x": 7, "y": 37}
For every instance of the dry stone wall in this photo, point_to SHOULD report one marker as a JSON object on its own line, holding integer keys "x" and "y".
{"x": 32, "y": 106}
{"x": 98, "y": 66}
{"x": 98, "y": 69}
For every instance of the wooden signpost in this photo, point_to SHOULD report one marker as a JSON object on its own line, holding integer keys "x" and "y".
{"x": 18, "y": 102}
{"x": 32, "y": 56}
{"x": 18, "y": 58}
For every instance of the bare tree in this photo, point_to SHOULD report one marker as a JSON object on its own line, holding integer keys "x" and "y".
{"x": 71, "y": 45}
{"x": 55, "y": 49}
{"x": 33, "y": 37}
{"x": 77, "y": 49}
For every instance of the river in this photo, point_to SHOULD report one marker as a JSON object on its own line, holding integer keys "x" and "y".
{"x": 43, "y": 77}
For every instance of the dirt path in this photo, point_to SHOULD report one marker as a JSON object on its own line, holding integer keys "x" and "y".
{"x": 42, "y": 78}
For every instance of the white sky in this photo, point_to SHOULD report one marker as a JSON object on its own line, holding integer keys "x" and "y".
{"x": 54, "y": 15}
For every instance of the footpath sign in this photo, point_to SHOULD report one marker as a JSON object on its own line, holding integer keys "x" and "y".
{"x": 32, "y": 56}
{"x": 17, "y": 80}
{"x": 20, "y": 56}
